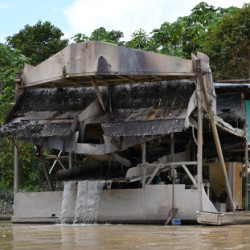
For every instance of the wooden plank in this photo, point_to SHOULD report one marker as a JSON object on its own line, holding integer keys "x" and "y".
{"x": 237, "y": 184}
{"x": 98, "y": 93}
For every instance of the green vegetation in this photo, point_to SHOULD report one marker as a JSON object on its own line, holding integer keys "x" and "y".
{"x": 100, "y": 34}
{"x": 223, "y": 34}
{"x": 38, "y": 42}
{"x": 228, "y": 44}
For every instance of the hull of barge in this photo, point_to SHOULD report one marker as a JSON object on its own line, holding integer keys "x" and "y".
{"x": 151, "y": 204}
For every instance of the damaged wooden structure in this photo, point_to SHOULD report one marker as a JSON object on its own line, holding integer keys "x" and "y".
{"x": 140, "y": 120}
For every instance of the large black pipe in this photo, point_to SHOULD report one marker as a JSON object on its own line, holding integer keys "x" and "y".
{"x": 90, "y": 170}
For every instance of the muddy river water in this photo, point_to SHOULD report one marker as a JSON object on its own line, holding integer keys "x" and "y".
{"x": 21, "y": 236}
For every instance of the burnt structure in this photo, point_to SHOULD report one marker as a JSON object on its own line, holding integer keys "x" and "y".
{"x": 133, "y": 114}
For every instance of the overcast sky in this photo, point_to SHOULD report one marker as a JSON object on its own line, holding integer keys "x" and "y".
{"x": 83, "y": 16}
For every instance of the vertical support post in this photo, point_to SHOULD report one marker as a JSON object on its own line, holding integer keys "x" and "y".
{"x": 70, "y": 160}
{"x": 246, "y": 152}
{"x": 143, "y": 161}
{"x": 16, "y": 166}
{"x": 200, "y": 138}
{"x": 172, "y": 173}
{"x": 16, "y": 146}
{"x": 246, "y": 169}
{"x": 172, "y": 146}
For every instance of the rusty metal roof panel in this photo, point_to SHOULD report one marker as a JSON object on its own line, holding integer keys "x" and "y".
{"x": 145, "y": 128}
{"x": 51, "y": 112}
{"x": 51, "y": 104}
{"x": 33, "y": 130}
{"x": 78, "y": 63}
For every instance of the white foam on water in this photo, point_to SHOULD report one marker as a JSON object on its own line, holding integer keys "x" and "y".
{"x": 68, "y": 201}
{"x": 87, "y": 201}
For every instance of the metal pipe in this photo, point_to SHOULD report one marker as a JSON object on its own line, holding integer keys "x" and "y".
{"x": 189, "y": 175}
{"x": 200, "y": 139}
{"x": 144, "y": 159}
{"x": 246, "y": 152}
{"x": 173, "y": 172}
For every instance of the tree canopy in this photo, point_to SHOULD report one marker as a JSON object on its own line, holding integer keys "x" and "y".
{"x": 100, "y": 34}
{"x": 228, "y": 44}
{"x": 11, "y": 61}
{"x": 188, "y": 33}
{"x": 38, "y": 42}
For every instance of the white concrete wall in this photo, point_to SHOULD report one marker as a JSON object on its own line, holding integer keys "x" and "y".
{"x": 118, "y": 205}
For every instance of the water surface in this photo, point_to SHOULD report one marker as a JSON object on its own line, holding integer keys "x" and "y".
{"x": 21, "y": 236}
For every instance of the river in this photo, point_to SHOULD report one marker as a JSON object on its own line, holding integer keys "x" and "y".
{"x": 23, "y": 236}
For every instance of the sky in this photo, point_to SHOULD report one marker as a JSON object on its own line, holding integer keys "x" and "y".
{"x": 84, "y": 16}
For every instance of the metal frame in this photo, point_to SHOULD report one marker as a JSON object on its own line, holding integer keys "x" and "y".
{"x": 110, "y": 64}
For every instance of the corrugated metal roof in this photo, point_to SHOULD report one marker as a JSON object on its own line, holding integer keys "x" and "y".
{"x": 136, "y": 110}
{"x": 231, "y": 85}
{"x": 144, "y": 128}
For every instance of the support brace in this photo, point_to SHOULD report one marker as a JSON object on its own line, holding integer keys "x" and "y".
{"x": 218, "y": 145}
{"x": 98, "y": 93}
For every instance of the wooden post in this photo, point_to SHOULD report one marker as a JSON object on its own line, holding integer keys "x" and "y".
{"x": 200, "y": 139}
{"x": 16, "y": 166}
{"x": 98, "y": 94}
{"x": 143, "y": 161}
{"x": 218, "y": 145}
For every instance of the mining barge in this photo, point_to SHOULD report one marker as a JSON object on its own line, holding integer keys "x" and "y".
{"x": 136, "y": 135}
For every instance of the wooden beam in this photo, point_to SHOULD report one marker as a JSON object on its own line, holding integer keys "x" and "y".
{"x": 98, "y": 93}
{"x": 217, "y": 144}
{"x": 127, "y": 79}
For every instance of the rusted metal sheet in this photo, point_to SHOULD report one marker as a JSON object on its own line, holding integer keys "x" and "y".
{"x": 153, "y": 104}
{"x": 142, "y": 128}
{"x": 78, "y": 64}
